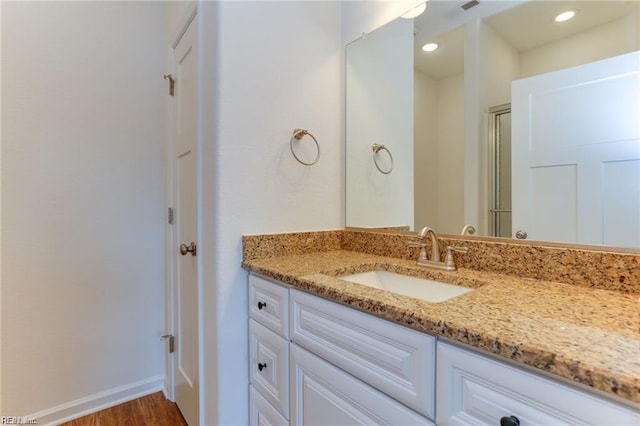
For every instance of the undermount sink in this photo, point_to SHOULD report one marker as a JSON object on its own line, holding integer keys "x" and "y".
{"x": 419, "y": 288}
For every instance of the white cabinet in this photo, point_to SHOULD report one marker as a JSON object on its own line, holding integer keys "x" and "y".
{"x": 261, "y": 413}
{"x": 269, "y": 304}
{"x": 393, "y": 359}
{"x": 322, "y": 394}
{"x": 316, "y": 362}
{"x": 268, "y": 352}
{"x": 363, "y": 370}
{"x": 269, "y": 366}
{"x": 474, "y": 389}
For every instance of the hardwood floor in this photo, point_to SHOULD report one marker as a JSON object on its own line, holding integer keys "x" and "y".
{"x": 150, "y": 410}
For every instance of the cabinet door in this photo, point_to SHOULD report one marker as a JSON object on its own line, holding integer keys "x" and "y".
{"x": 269, "y": 366}
{"x": 391, "y": 358}
{"x": 322, "y": 394}
{"x": 477, "y": 390}
{"x": 261, "y": 413}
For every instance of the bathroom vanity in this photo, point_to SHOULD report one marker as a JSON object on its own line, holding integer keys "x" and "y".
{"x": 511, "y": 351}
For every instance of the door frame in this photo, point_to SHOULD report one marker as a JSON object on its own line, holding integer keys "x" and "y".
{"x": 170, "y": 201}
{"x": 493, "y": 167}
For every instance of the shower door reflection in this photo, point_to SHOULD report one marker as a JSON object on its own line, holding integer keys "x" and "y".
{"x": 500, "y": 175}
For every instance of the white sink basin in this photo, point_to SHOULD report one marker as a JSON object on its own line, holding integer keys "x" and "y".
{"x": 420, "y": 288}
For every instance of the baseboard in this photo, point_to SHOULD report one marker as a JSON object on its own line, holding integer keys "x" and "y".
{"x": 99, "y": 401}
{"x": 165, "y": 392}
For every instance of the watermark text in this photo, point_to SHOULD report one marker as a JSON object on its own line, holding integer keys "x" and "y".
{"x": 18, "y": 420}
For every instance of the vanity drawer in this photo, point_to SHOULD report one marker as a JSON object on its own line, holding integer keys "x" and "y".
{"x": 391, "y": 358}
{"x": 269, "y": 366}
{"x": 476, "y": 389}
{"x": 269, "y": 304}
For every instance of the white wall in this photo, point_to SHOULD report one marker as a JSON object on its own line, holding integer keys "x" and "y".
{"x": 439, "y": 153}
{"x": 82, "y": 184}
{"x": 605, "y": 41}
{"x": 283, "y": 73}
{"x": 425, "y": 148}
{"x": 450, "y": 160}
{"x": 258, "y": 187}
{"x": 499, "y": 66}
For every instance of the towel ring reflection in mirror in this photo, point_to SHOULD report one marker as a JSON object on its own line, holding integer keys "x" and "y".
{"x": 297, "y": 135}
{"x": 376, "y": 149}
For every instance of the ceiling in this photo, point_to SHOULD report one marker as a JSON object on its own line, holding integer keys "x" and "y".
{"x": 523, "y": 25}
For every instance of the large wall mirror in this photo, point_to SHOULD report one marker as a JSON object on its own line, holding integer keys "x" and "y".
{"x": 516, "y": 124}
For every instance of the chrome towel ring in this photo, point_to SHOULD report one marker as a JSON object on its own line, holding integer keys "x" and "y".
{"x": 376, "y": 149}
{"x": 297, "y": 135}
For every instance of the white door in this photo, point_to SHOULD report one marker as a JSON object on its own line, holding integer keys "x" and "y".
{"x": 184, "y": 181}
{"x": 576, "y": 153}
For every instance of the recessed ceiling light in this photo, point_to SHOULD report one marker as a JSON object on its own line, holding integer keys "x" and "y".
{"x": 565, "y": 16}
{"x": 430, "y": 47}
{"x": 416, "y": 11}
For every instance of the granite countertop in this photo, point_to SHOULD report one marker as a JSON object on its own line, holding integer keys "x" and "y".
{"x": 589, "y": 336}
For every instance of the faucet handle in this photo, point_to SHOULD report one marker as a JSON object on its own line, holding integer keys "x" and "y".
{"x": 423, "y": 250}
{"x": 449, "y": 263}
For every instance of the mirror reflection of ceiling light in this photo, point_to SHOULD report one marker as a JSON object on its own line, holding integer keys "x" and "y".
{"x": 565, "y": 16}
{"x": 416, "y": 11}
{"x": 430, "y": 47}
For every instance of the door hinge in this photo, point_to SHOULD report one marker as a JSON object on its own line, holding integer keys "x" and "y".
{"x": 171, "y": 341}
{"x": 172, "y": 83}
{"x": 170, "y": 214}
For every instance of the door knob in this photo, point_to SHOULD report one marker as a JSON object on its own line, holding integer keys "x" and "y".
{"x": 191, "y": 248}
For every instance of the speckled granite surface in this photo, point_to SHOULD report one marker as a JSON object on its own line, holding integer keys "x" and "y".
{"x": 586, "y": 335}
{"x": 586, "y": 268}
{"x": 275, "y": 245}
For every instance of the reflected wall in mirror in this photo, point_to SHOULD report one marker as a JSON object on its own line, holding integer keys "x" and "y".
{"x": 511, "y": 107}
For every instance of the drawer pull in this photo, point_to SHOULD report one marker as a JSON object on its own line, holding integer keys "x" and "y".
{"x": 262, "y": 305}
{"x": 263, "y": 365}
{"x": 509, "y": 421}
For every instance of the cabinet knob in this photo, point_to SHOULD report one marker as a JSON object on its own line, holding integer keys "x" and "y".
{"x": 509, "y": 421}
{"x": 262, "y": 366}
{"x": 262, "y": 305}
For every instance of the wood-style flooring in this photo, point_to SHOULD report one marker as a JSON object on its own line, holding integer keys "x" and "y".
{"x": 150, "y": 410}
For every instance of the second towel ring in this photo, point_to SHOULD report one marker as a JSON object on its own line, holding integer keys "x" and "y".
{"x": 297, "y": 135}
{"x": 377, "y": 148}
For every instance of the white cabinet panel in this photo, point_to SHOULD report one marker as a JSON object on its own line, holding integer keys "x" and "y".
{"x": 620, "y": 209}
{"x": 261, "y": 413}
{"x": 325, "y": 395}
{"x": 394, "y": 359}
{"x": 269, "y": 305}
{"x": 269, "y": 366}
{"x": 475, "y": 389}
{"x": 554, "y": 212}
